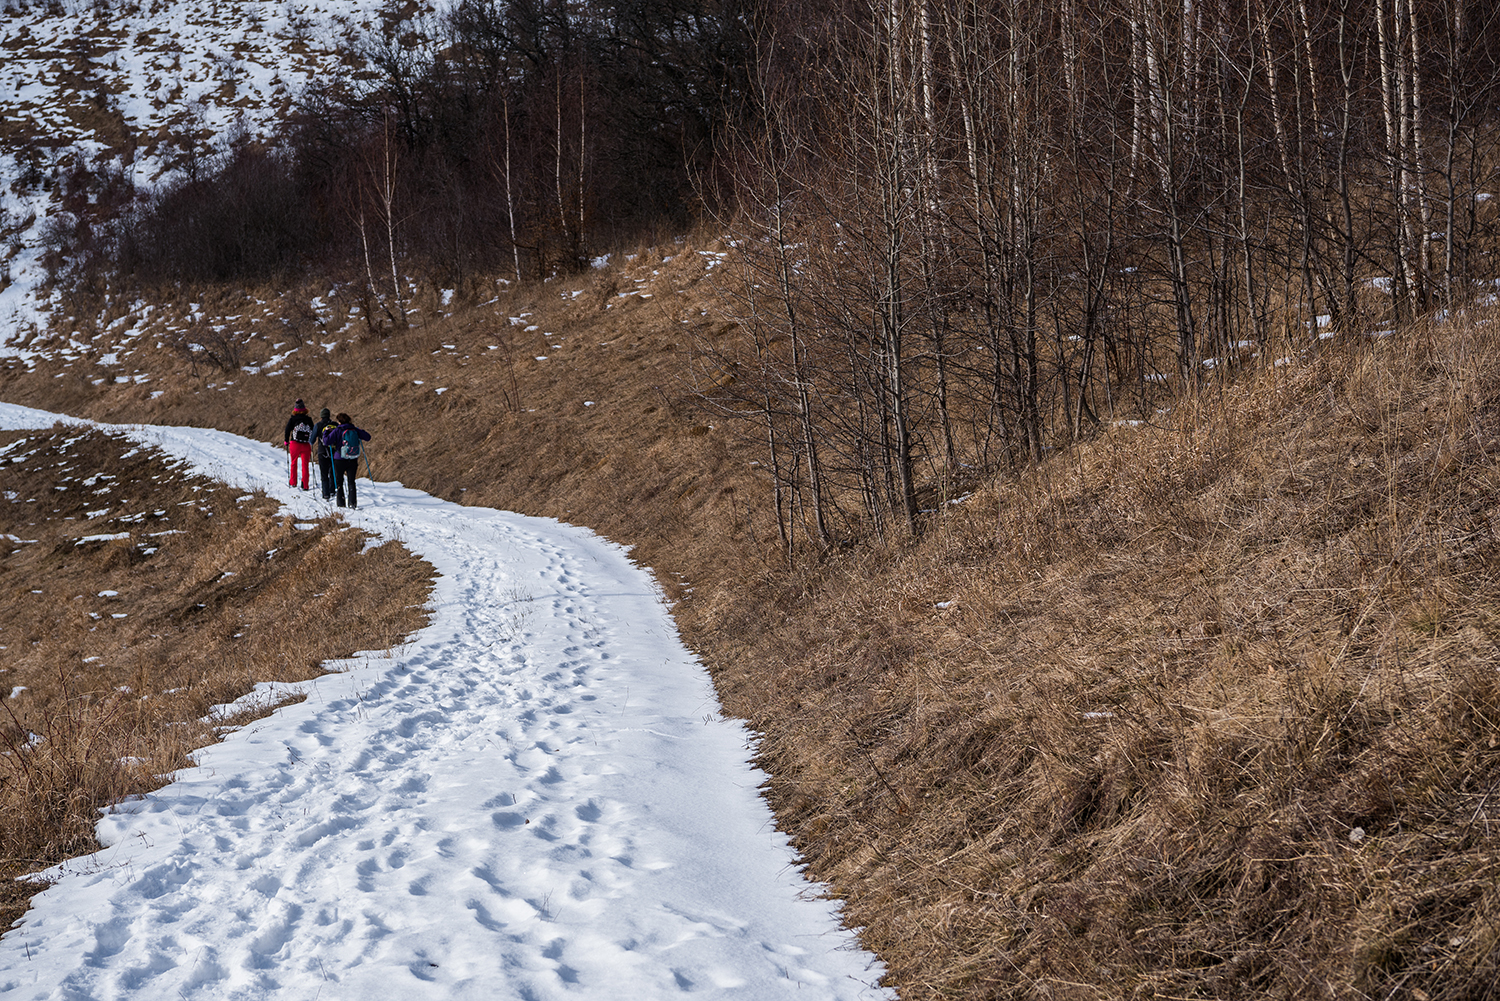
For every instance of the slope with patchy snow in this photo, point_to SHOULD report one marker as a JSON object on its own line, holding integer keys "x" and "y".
{"x": 145, "y": 88}
{"x": 536, "y": 798}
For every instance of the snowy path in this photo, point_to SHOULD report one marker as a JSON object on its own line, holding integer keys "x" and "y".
{"x": 535, "y": 799}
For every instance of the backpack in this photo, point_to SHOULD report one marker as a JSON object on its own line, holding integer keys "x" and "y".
{"x": 349, "y": 446}
{"x": 302, "y": 433}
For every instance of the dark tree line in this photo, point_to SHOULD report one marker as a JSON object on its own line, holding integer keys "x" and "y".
{"x": 503, "y": 135}
{"x": 974, "y": 229}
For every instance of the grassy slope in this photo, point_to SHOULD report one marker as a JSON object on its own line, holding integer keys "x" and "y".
{"x": 141, "y": 598}
{"x": 1207, "y": 709}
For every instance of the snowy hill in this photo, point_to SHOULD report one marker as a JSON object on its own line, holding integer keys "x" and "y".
{"x": 142, "y": 90}
{"x": 536, "y": 798}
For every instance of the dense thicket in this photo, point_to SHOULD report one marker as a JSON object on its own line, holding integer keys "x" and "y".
{"x": 246, "y": 220}
{"x": 978, "y": 228}
{"x": 500, "y": 135}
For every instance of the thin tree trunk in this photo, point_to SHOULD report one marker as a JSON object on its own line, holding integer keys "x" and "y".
{"x": 510, "y": 204}
{"x": 557, "y": 167}
{"x": 388, "y": 198}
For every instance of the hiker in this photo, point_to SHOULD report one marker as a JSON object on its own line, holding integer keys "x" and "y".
{"x": 321, "y": 454}
{"x": 298, "y": 441}
{"x": 345, "y": 443}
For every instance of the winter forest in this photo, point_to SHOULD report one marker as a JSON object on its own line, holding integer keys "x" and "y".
{"x": 968, "y": 231}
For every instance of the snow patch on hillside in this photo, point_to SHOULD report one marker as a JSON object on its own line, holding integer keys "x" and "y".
{"x": 146, "y": 89}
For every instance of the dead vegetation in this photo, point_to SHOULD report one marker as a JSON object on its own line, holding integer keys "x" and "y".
{"x": 141, "y": 601}
{"x": 1201, "y": 707}
{"x": 1206, "y": 709}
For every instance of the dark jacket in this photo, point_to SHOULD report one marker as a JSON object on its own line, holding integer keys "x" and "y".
{"x": 320, "y": 451}
{"x": 292, "y": 422}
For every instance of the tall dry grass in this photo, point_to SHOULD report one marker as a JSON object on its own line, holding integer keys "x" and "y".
{"x": 1205, "y": 707}
{"x": 139, "y": 599}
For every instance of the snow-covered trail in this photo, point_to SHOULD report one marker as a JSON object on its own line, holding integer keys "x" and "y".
{"x": 536, "y": 798}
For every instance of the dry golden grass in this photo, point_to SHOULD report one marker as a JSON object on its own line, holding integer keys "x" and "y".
{"x": 1204, "y": 708}
{"x": 138, "y": 598}
{"x": 1207, "y": 709}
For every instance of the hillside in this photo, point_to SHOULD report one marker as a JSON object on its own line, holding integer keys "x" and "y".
{"x": 143, "y": 601}
{"x": 532, "y": 796}
{"x": 1209, "y": 704}
{"x": 1195, "y": 698}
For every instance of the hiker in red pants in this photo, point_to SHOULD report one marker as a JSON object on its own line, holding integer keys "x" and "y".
{"x": 298, "y": 435}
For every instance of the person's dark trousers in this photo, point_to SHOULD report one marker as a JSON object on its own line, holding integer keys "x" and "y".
{"x": 325, "y": 473}
{"x": 345, "y": 469}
